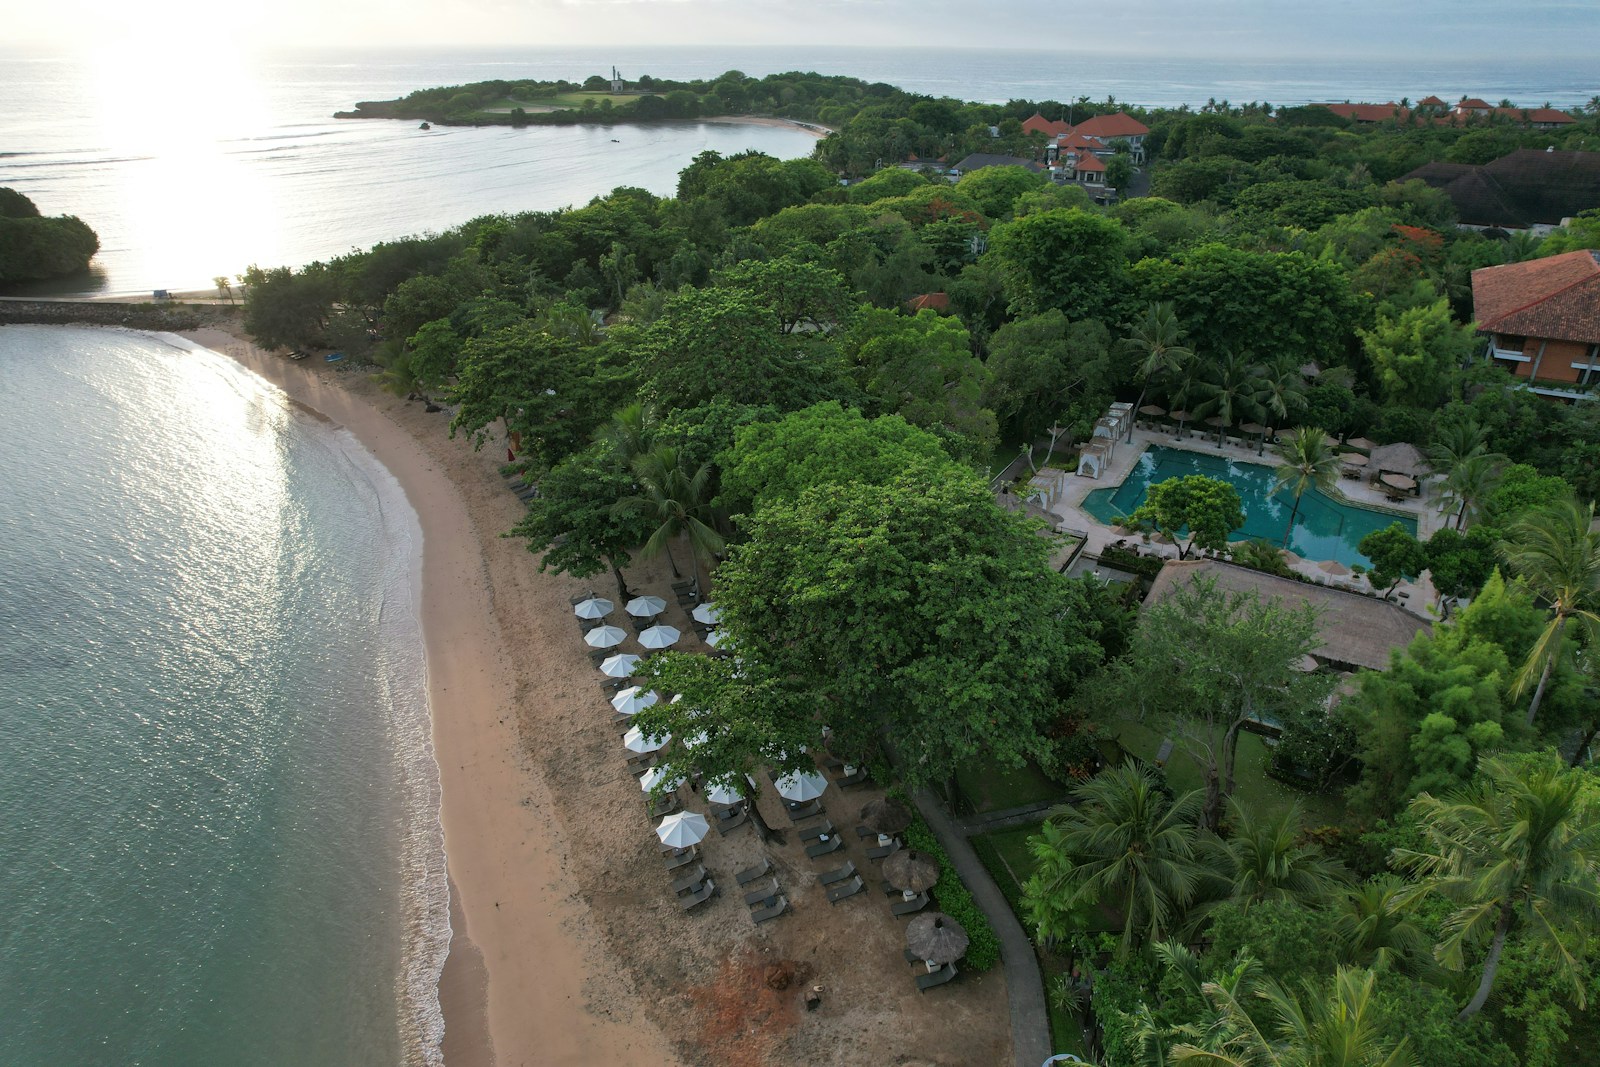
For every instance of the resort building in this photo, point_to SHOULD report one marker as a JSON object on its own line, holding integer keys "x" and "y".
{"x": 1357, "y": 632}
{"x": 1543, "y": 321}
{"x": 1522, "y": 190}
{"x": 1431, "y": 109}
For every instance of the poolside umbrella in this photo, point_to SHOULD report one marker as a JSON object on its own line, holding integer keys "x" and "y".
{"x": 645, "y": 607}
{"x": 723, "y": 794}
{"x": 707, "y": 613}
{"x": 936, "y": 937}
{"x": 596, "y": 607}
{"x": 1353, "y": 459}
{"x": 1180, "y": 417}
{"x": 1153, "y": 410}
{"x": 656, "y": 776}
{"x": 1331, "y": 442}
{"x": 715, "y": 638}
{"x": 1334, "y": 567}
{"x": 1398, "y": 481}
{"x": 1255, "y": 429}
{"x": 911, "y": 871}
{"x": 633, "y": 700}
{"x": 659, "y": 636}
{"x": 1362, "y": 443}
{"x": 619, "y": 666}
{"x": 801, "y": 786}
{"x": 683, "y": 828}
{"x": 605, "y": 637}
{"x": 635, "y": 740}
{"x": 885, "y": 816}
{"x": 696, "y": 739}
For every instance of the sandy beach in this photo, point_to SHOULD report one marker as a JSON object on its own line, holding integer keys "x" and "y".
{"x": 569, "y": 947}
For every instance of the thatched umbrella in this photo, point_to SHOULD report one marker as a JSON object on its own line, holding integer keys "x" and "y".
{"x": 884, "y": 816}
{"x": 936, "y": 937}
{"x": 911, "y": 871}
{"x": 1399, "y": 459}
{"x": 1360, "y": 442}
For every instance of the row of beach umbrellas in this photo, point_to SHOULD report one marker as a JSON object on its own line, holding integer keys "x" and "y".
{"x": 641, "y": 607}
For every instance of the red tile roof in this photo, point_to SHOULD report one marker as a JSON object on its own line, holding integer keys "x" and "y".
{"x": 1558, "y": 298}
{"x": 1472, "y": 103}
{"x": 1368, "y": 112}
{"x": 1037, "y": 122}
{"x": 1087, "y": 161}
{"x": 931, "y": 301}
{"x": 1115, "y": 125}
{"x": 1431, "y": 101}
{"x": 1536, "y": 114}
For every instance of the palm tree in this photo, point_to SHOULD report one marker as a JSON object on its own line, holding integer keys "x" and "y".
{"x": 1322, "y": 1027}
{"x": 1519, "y": 848}
{"x": 1304, "y": 462}
{"x": 1556, "y": 550}
{"x": 1264, "y": 859}
{"x": 1373, "y": 919}
{"x": 1229, "y": 391}
{"x": 1156, "y": 340}
{"x": 1469, "y": 484}
{"x": 681, "y": 501}
{"x": 1282, "y": 391}
{"x": 629, "y": 431}
{"x": 1122, "y": 844}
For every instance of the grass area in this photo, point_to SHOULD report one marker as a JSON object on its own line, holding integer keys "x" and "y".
{"x": 991, "y": 787}
{"x": 1065, "y": 1033}
{"x": 1256, "y": 790}
{"x": 567, "y": 100}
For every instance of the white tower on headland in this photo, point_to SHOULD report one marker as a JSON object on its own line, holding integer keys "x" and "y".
{"x": 616, "y": 81}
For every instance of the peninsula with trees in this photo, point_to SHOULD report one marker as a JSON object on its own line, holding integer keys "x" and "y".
{"x": 34, "y": 247}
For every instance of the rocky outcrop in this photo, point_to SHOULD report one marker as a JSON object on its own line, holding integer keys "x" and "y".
{"x": 159, "y": 317}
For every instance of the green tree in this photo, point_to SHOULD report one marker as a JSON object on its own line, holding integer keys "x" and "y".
{"x": 1068, "y": 259}
{"x": 224, "y": 287}
{"x": 995, "y": 189}
{"x": 1416, "y": 354}
{"x": 1518, "y": 851}
{"x": 1469, "y": 485}
{"x": 1460, "y": 563}
{"x": 1229, "y": 390}
{"x": 1396, "y": 556}
{"x": 1280, "y": 393}
{"x": 805, "y": 296}
{"x": 574, "y": 525}
{"x": 1208, "y": 507}
{"x": 1304, "y": 462}
{"x": 678, "y": 500}
{"x": 1556, "y": 551}
{"x": 1124, "y": 845}
{"x": 1266, "y": 857}
{"x": 1374, "y": 923}
{"x": 922, "y": 367}
{"x": 1041, "y": 365}
{"x": 1155, "y": 340}
{"x": 919, "y": 608}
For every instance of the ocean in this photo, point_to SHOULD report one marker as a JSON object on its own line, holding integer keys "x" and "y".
{"x": 221, "y": 841}
{"x": 202, "y": 167}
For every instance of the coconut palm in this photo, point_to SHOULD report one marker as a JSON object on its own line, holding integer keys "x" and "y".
{"x": 1556, "y": 551}
{"x": 1122, "y": 844}
{"x": 1281, "y": 393}
{"x": 1469, "y": 484}
{"x": 1265, "y": 859}
{"x": 1517, "y": 849}
{"x": 680, "y": 500}
{"x": 1322, "y": 1026}
{"x": 1304, "y": 462}
{"x": 1374, "y": 921}
{"x": 1229, "y": 391}
{"x": 1155, "y": 340}
{"x": 629, "y": 431}
{"x": 1210, "y": 1028}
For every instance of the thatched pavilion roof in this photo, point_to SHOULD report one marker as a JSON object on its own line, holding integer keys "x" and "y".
{"x": 1399, "y": 458}
{"x": 1356, "y": 630}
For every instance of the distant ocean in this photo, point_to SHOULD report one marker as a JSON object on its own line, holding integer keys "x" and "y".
{"x": 220, "y": 837}
{"x": 191, "y": 171}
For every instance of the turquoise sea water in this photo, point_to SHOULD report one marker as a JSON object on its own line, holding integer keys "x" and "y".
{"x": 1324, "y": 528}
{"x": 220, "y": 839}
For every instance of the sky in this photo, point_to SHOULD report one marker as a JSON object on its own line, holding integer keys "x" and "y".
{"x": 1261, "y": 29}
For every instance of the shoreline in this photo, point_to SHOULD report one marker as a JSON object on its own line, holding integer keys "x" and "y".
{"x": 523, "y": 955}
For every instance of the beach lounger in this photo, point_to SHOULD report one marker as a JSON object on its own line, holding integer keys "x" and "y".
{"x": 804, "y": 811}
{"x": 727, "y": 825}
{"x": 838, "y": 875}
{"x": 944, "y": 974}
{"x": 860, "y": 777}
{"x": 909, "y": 907}
{"x": 685, "y": 882}
{"x": 832, "y": 763}
{"x": 699, "y": 896}
{"x": 822, "y": 848}
{"x": 750, "y": 874}
{"x": 881, "y": 851}
{"x": 674, "y": 862}
{"x": 771, "y": 911}
{"x": 912, "y": 957}
{"x": 889, "y": 890}
{"x": 811, "y": 833}
{"x": 762, "y": 894}
{"x": 864, "y": 832}
{"x": 665, "y": 806}
{"x": 846, "y": 889}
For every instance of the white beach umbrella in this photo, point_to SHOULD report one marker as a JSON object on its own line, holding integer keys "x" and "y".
{"x": 707, "y": 613}
{"x": 659, "y": 636}
{"x": 633, "y": 700}
{"x": 646, "y": 607}
{"x": 723, "y": 794}
{"x": 683, "y": 828}
{"x": 619, "y": 666}
{"x": 605, "y": 637}
{"x": 715, "y": 638}
{"x": 596, "y": 607}
{"x": 654, "y": 777}
{"x": 696, "y": 739}
{"x": 801, "y": 786}
{"x": 636, "y": 740}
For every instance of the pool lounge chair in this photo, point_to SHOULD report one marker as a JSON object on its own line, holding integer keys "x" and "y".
{"x": 682, "y": 860}
{"x": 771, "y": 911}
{"x": 944, "y": 974}
{"x": 846, "y": 889}
{"x": 699, "y": 896}
{"x": 726, "y": 825}
{"x": 750, "y": 874}
{"x": 882, "y": 851}
{"x": 685, "y": 882}
{"x": 762, "y": 894}
{"x": 822, "y": 848}
{"x": 910, "y": 907}
{"x": 860, "y": 777}
{"x": 803, "y": 811}
{"x": 838, "y": 874}
{"x": 822, "y": 829}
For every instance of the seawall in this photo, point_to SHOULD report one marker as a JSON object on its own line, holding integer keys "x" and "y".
{"x": 154, "y": 317}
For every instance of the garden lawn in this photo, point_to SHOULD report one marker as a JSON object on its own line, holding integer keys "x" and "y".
{"x": 992, "y": 787}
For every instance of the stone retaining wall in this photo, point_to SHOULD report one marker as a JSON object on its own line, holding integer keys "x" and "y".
{"x": 158, "y": 317}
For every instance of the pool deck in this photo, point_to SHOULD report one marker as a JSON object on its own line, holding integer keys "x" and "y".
{"x": 1067, "y": 508}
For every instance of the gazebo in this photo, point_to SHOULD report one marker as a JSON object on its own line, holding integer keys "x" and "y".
{"x": 1401, "y": 459}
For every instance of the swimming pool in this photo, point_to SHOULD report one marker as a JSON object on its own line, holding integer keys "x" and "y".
{"x": 1324, "y": 529}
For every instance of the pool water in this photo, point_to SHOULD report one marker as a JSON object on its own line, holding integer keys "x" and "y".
{"x": 1325, "y": 528}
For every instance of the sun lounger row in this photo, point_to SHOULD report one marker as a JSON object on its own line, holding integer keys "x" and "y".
{"x": 925, "y": 982}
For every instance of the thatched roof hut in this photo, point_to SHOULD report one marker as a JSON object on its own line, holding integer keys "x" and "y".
{"x": 1397, "y": 459}
{"x": 1356, "y": 630}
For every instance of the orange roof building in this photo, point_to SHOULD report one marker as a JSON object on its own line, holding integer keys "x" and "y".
{"x": 1543, "y": 321}
{"x": 1111, "y": 127}
{"x": 1037, "y": 123}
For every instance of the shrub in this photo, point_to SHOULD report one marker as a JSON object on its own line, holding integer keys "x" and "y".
{"x": 983, "y": 948}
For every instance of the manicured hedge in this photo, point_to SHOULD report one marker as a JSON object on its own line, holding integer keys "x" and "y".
{"x": 1144, "y": 566}
{"x": 983, "y": 950}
